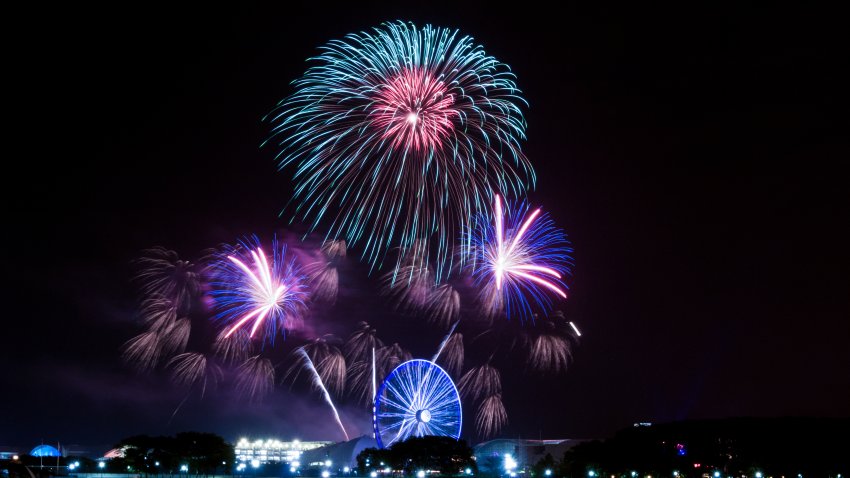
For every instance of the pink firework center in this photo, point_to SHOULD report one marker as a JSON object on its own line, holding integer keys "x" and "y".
{"x": 509, "y": 260}
{"x": 267, "y": 294}
{"x": 415, "y": 111}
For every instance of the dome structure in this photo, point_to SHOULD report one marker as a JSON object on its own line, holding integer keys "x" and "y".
{"x": 45, "y": 450}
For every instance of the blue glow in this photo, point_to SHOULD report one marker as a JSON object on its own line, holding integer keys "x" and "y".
{"x": 45, "y": 450}
{"x": 410, "y": 390}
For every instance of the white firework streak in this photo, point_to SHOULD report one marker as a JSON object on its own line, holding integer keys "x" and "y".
{"x": 317, "y": 382}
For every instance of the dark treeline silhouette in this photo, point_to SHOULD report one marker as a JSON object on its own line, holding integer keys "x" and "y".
{"x": 201, "y": 453}
{"x": 445, "y": 454}
{"x": 774, "y": 447}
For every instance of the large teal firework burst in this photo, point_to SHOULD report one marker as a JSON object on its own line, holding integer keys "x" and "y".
{"x": 398, "y": 137}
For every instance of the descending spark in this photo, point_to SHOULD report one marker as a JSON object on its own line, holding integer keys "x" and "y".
{"x": 163, "y": 274}
{"x": 317, "y": 383}
{"x": 255, "y": 377}
{"x": 443, "y": 343}
{"x": 374, "y": 385}
{"x": 481, "y": 381}
{"x": 491, "y": 416}
{"x": 578, "y": 334}
{"x": 452, "y": 355}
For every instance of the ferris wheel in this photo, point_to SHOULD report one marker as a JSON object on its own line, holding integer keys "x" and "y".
{"x": 417, "y": 398}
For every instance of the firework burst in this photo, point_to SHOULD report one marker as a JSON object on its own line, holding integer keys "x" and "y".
{"x": 521, "y": 259}
{"x": 163, "y": 274}
{"x": 250, "y": 288}
{"x": 400, "y": 134}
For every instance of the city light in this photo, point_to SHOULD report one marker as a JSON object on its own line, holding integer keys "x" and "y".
{"x": 634, "y": 473}
{"x": 184, "y": 467}
{"x": 16, "y": 457}
{"x": 373, "y": 474}
{"x": 758, "y": 474}
{"x": 591, "y": 473}
{"x": 675, "y": 472}
{"x": 548, "y": 472}
{"x": 510, "y": 463}
{"x": 469, "y": 471}
{"x": 240, "y": 467}
{"x": 346, "y": 469}
{"x": 716, "y": 474}
{"x": 101, "y": 465}
{"x": 255, "y": 463}
{"x": 292, "y": 469}
{"x": 326, "y": 474}
{"x": 156, "y": 463}
{"x": 71, "y": 466}
{"x": 328, "y": 463}
{"x": 420, "y": 474}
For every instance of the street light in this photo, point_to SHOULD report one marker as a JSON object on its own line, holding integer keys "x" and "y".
{"x": 468, "y": 471}
{"x": 373, "y": 474}
{"x": 326, "y": 474}
{"x": 420, "y": 474}
{"x": 591, "y": 473}
{"x": 758, "y": 474}
{"x": 548, "y": 472}
{"x": 184, "y": 467}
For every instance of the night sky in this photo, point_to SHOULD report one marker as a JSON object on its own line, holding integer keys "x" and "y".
{"x": 693, "y": 157}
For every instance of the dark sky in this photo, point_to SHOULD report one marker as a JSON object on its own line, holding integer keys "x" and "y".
{"x": 693, "y": 156}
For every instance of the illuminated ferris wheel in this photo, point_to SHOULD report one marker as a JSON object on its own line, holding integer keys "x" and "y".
{"x": 417, "y": 398}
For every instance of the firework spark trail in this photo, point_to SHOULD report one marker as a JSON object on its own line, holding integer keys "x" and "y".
{"x": 193, "y": 368}
{"x": 401, "y": 134}
{"x": 317, "y": 382}
{"x": 491, "y": 416}
{"x": 443, "y": 343}
{"x": 255, "y": 377}
{"x": 521, "y": 259}
{"x": 453, "y": 354}
{"x": 481, "y": 381}
{"x": 163, "y": 274}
